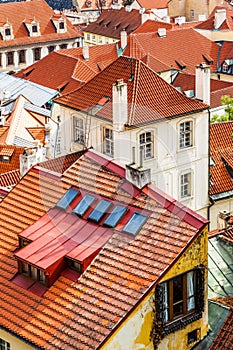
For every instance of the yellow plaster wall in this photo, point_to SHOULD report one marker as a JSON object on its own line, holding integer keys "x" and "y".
{"x": 134, "y": 333}
{"x": 99, "y": 39}
{"x": 15, "y": 343}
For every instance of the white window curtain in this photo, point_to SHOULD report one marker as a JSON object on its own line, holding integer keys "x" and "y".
{"x": 190, "y": 290}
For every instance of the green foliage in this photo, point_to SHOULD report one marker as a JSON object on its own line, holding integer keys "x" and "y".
{"x": 228, "y": 102}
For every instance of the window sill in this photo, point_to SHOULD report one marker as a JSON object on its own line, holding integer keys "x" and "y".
{"x": 181, "y": 322}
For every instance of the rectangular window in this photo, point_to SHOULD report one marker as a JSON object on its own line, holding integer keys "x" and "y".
{"x": 22, "y": 56}
{"x": 186, "y": 134}
{"x": 4, "y": 345}
{"x": 10, "y": 58}
{"x": 63, "y": 46}
{"x": 192, "y": 13}
{"x": 7, "y": 31}
{"x": 88, "y": 37}
{"x": 108, "y": 142}
{"x": 78, "y": 130}
{"x": 37, "y": 53}
{"x": 179, "y": 295}
{"x": 185, "y": 185}
{"x": 61, "y": 25}
{"x": 34, "y": 28}
{"x": 146, "y": 144}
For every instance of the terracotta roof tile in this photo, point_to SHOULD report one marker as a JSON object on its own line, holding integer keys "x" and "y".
{"x": 111, "y": 22}
{"x": 163, "y": 100}
{"x": 151, "y": 26}
{"x": 17, "y": 12}
{"x": 220, "y": 143}
{"x": 226, "y": 25}
{"x": 188, "y": 46}
{"x": 13, "y": 153}
{"x": 78, "y": 70}
{"x": 108, "y": 289}
{"x": 10, "y": 178}
{"x": 224, "y": 338}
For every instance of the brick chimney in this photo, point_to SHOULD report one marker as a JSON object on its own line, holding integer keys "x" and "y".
{"x": 202, "y": 84}
{"x": 119, "y": 105}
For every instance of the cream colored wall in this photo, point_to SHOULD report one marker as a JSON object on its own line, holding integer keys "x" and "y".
{"x": 15, "y": 343}
{"x": 176, "y": 8}
{"x": 99, "y": 40}
{"x": 134, "y": 333}
{"x": 215, "y": 35}
{"x": 168, "y": 161}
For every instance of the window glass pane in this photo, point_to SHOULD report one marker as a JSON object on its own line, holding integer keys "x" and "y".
{"x": 115, "y": 216}
{"x": 108, "y": 142}
{"x": 68, "y": 197}
{"x": 25, "y": 269}
{"x": 145, "y": 141}
{"x": 191, "y": 287}
{"x": 41, "y": 276}
{"x": 186, "y": 134}
{"x": 33, "y": 272}
{"x": 135, "y": 223}
{"x": 99, "y": 210}
{"x": 84, "y": 205}
{"x": 79, "y": 130}
{"x": 178, "y": 296}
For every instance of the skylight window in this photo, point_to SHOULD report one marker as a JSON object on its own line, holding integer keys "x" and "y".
{"x": 84, "y": 205}
{"x": 135, "y": 223}
{"x": 100, "y": 210}
{"x": 115, "y": 216}
{"x": 68, "y": 197}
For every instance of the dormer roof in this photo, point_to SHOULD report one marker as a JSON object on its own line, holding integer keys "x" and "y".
{"x": 23, "y": 15}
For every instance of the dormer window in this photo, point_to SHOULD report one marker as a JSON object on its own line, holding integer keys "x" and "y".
{"x": 33, "y": 27}
{"x": 6, "y": 155}
{"x": 6, "y": 31}
{"x": 224, "y": 67}
{"x": 59, "y": 23}
{"x": 88, "y": 3}
{"x": 32, "y": 272}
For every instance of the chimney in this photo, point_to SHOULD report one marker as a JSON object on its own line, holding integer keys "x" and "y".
{"x": 220, "y": 17}
{"x": 223, "y": 219}
{"x": 137, "y": 175}
{"x": 180, "y": 20}
{"x": 202, "y": 84}
{"x": 119, "y": 105}
{"x": 86, "y": 55}
{"x": 123, "y": 39}
{"x": 162, "y": 33}
{"x": 144, "y": 17}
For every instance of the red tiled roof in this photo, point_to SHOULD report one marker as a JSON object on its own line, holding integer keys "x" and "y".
{"x": 13, "y": 152}
{"x": 226, "y": 51}
{"x": 224, "y": 338}
{"x": 220, "y": 143}
{"x": 226, "y": 25}
{"x": 111, "y": 22}
{"x": 10, "y": 178}
{"x": 17, "y": 12}
{"x": 187, "y": 46}
{"x": 70, "y": 314}
{"x": 78, "y": 70}
{"x": 150, "y": 98}
{"x": 152, "y": 26}
{"x": 38, "y": 133}
{"x": 61, "y": 164}
{"x": 218, "y": 88}
{"x": 153, "y": 4}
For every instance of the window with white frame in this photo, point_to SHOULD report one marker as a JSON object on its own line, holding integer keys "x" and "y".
{"x": 224, "y": 67}
{"x": 108, "y": 142}
{"x": 78, "y": 130}
{"x": 185, "y": 185}
{"x": 186, "y": 134}
{"x": 146, "y": 144}
{"x": 4, "y": 345}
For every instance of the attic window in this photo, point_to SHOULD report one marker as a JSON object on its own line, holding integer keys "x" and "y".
{"x": 208, "y": 59}
{"x": 88, "y": 3}
{"x": 181, "y": 64}
{"x": 75, "y": 265}
{"x": 103, "y": 3}
{"x": 135, "y": 223}
{"x": 7, "y": 31}
{"x": 68, "y": 197}
{"x": 34, "y": 28}
{"x": 115, "y": 216}
{"x": 84, "y": 205}
{"x": 99, "y": 211}
{"x": 6, "y": 154}
{"x": 61, "y": 25}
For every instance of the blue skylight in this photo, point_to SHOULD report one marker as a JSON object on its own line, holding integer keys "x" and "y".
{"x": 68, "y": 197}
{"x": 84, "y": 205}
{"x": 135, "y": 223}
{"x": 99, "y": 210}
{"x": 115, "y": 216}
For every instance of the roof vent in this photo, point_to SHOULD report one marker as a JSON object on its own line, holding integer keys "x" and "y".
{"x": 180, "y": 20}
{"x": 223, "y": 219}
{"x": 162, "y": 33}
